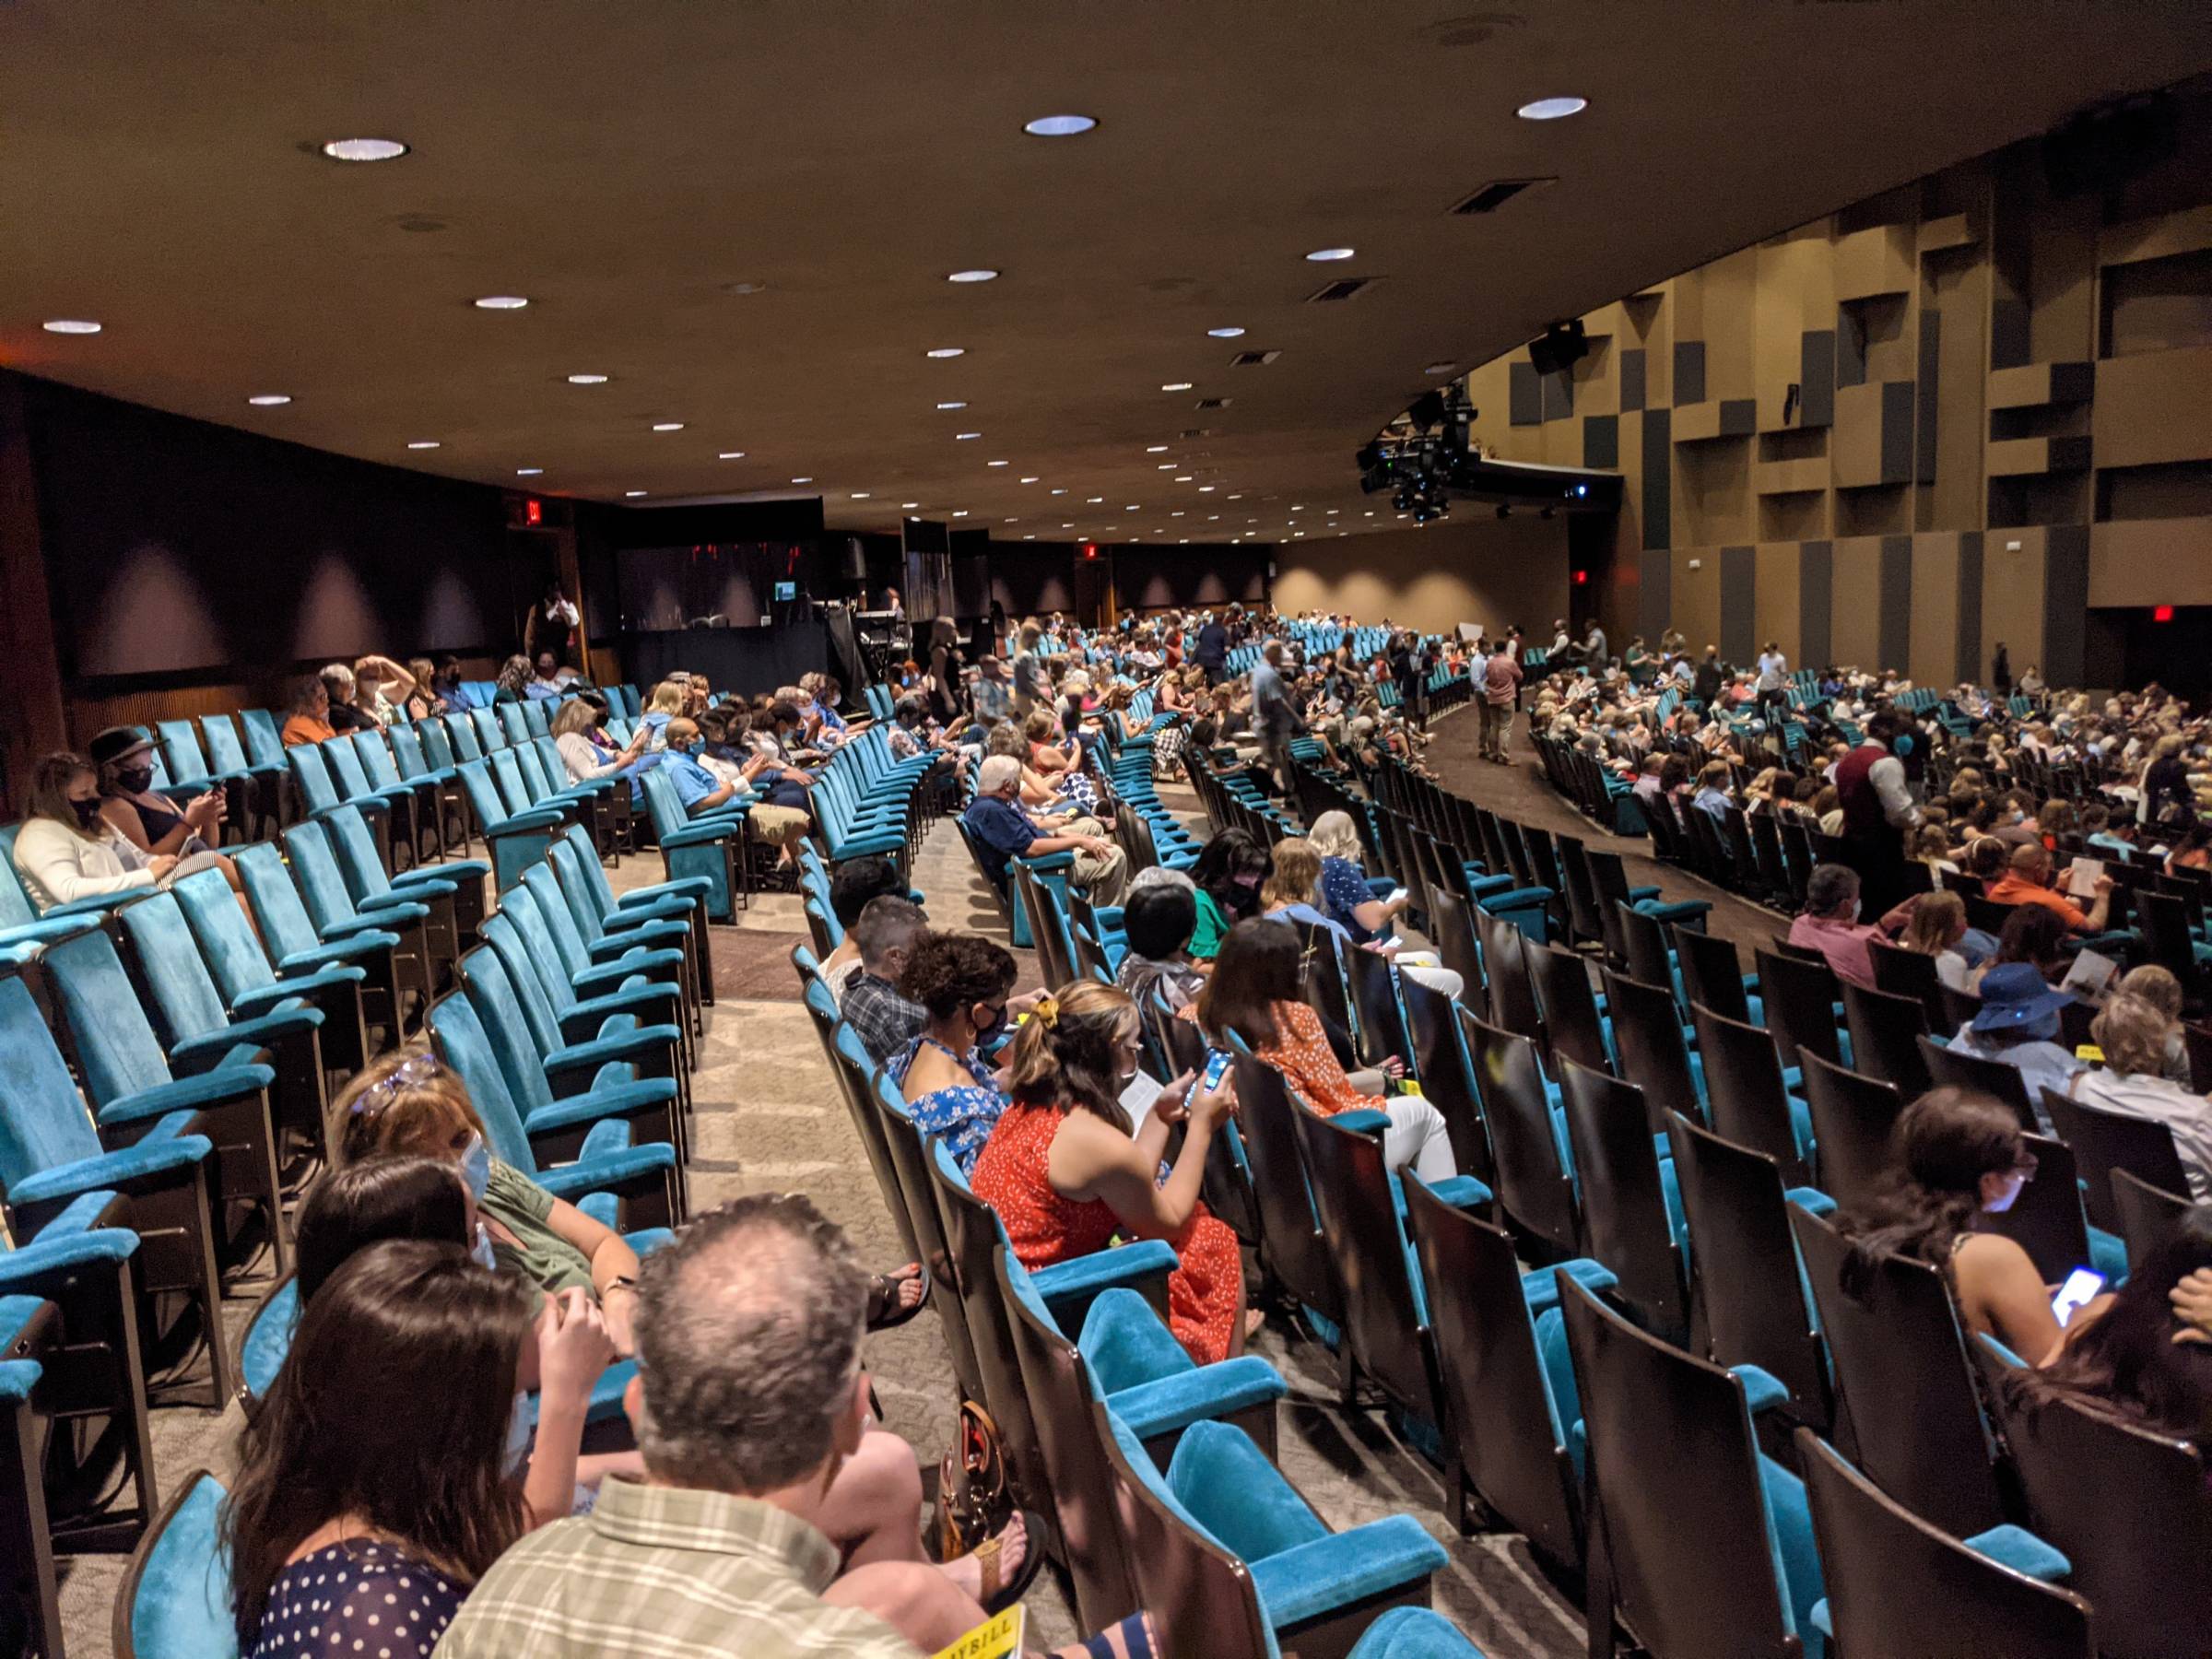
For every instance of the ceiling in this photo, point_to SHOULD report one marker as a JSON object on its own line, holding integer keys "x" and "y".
{"x": 626, "y": 167}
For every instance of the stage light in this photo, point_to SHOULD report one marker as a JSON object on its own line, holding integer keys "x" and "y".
{"x": 1059, "y": 127}
{"x": 975, "y": 275}
{"x": 269, "y": 400}
{"x": 502, "y": 302}
{"x": 364, "y": 149}
{"x": 1552, "y": 109}
{"x": 1324, "y": 255}
{"x": 71, "y": 325}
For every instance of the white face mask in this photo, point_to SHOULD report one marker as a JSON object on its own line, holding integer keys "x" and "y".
{"x": 514, "y": 1456}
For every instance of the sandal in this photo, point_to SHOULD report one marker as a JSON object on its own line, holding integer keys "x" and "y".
{"x": 885, "y": 1313}
{"x": 995, "y": 1594}
{"x": 1131, "y": 1638}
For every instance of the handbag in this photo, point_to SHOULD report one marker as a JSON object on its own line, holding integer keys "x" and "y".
{"x": 973, "y": 1501}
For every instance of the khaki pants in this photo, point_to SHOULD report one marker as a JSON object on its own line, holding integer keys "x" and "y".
{"x": 1497, "y": 728}
{"x": 1104, "y": 878}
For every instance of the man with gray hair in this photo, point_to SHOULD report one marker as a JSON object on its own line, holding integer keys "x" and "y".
{"x": 883, "y": 1020}
{"x": 750, "y": 1398}
{"x": 1002, "y": 831}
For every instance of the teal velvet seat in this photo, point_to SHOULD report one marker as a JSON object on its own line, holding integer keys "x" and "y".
{"x": 247, "y": 982}
{"x": 457, "y": 881}
{"x": 179, "y": 1580}
{"x": 517, "y": 837}
{"x": 558, "y": 1008}
{"x": 1415, "y": 1633}
{"x": 657, "y": 950}
{"x": 709, "y": 848}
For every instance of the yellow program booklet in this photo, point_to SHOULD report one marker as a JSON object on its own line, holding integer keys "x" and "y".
{"x": 996, "y": 1638}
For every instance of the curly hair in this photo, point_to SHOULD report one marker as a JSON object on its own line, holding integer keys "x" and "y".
{"x": 948, "y": 972}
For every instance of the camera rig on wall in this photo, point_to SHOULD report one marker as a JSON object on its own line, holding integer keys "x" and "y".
{"x": 1428, "y": 458}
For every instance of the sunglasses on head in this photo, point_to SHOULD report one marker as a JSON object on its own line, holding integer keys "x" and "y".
{"x": 408, "y": 1074}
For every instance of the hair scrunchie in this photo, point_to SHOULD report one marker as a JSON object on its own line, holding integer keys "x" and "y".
{"x": 1048, "y": 1012}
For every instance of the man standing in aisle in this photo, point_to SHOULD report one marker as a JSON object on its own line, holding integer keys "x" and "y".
{"x": 1596, "y": 652}
{"x": 1211, "y": 653}
{"x": 1878, "y": 809}
{"x": 1274, "y": 714}
{"x": 1773, "y": 683}
{"x": 1501, "y": 689}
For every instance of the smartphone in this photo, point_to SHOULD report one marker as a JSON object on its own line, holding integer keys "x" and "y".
{"x": 2081, "y": 1286}
{"x": 1217, "y": 1067}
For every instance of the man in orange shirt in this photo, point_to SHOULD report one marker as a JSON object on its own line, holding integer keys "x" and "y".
{"x": 2028, "y": 881}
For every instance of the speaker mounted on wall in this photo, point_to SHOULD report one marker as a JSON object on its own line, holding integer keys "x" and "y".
{"x": 1560, "y": 347}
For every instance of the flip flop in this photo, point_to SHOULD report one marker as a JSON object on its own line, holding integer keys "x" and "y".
{"x": 998, "y": 1595}
{"x": 884, "y": 1311}
{"x": 1135, "y": 1632}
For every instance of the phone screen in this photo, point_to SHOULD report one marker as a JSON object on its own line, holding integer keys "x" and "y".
{"x": 2081, "y": 1286}
{"x": 1217, "y": 1067}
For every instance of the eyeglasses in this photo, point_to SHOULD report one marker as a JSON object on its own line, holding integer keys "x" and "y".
{"x": 407, "y": 1075}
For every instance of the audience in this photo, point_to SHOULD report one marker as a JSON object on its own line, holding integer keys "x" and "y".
{"x": 961, "y": 983}
{"x": 1002, "y": 831}
{"x": 885, "y": 1020}
{"x": 1936, "y": 928}
{"x": 1159, "y": 921}
{"x": 2131, "y": 1035}
{"x": 587, "y": 753}
{"x": 851, "y": 885}
{"x": 2017, "y": 1023}
{"x": 1228, "y": 877}
{"x": 67, "y": 850}
{"x": 1829, "y": 923}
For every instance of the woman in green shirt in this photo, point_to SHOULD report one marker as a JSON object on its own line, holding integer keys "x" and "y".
{"x": 1228, "y": 872}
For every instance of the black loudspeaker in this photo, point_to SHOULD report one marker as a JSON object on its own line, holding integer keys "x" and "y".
{"x": 1562, "y": 346}
{"x": 2100, "y": 150}
{"x": 854, "y": 565}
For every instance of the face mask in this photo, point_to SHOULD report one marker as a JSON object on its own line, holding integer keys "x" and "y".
{"x": 87, "y": 813}
{"x": 1901, "y": 744}
{"x": 135, "y": 780}
{"x": 985, "y": 1034}
{"x": 476, "y": 1167}
{"x": 515, "y": 1455}
{"x": 698, "y": 746}
{"x": 480, "y": 1252}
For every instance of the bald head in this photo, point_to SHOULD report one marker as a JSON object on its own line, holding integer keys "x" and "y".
{"x": 2031, "y": 860}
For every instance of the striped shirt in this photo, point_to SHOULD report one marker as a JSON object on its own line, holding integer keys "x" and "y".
{"x": 666, "y": 1572}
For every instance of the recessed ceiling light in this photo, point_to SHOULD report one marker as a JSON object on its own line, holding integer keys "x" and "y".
{"x": 955, "y": 404}
{"x": 1175, "y": 386}
{"x": 1029, "y": 538}
{"x": 1070, "y": 525}
{"x": 1059, "y": 127}
{"x": 730, "y": 456}
{"x": 1332, "y": 512}
{"x": 1061, "y": 490}
{"x": 1030, "y": 480}
{"x": 945, "y": 351}
{"x": 269, "y": 400}
{"x": 1166, "y": 466}
{"x": 961, "y": 512}
{"x": 502, "y": 302}
{"x": 1552, "y": 109}
{"x": 424, "y": 444}
{"x": 995, "y": 463}
{"x": 860, "y": 495}
{"x": 1439, "y": 368}
{"x": 1205, "y": 489}
{"x": 1132, "y": 506}
{"x": 1297, "y": 507}
{"x": 71, "y": 325}
{"x": 1236, "y": 498}
{"x": 364, "y": 149}
{"x": 979, "y": 274}
{"x": 1323, "y": 255}
{"x": 587, "y": 379}
{"x": 633, "y": 494}
{"x": 1155, "y": 449}
{"x": 528, "y": 472}
{"x": 743, "y": 287}
{"x": 1176, "y": 515}
{"x": 1094, "y": 500}
{"x": 1182, "y": 477}
{"x": 667, "y": 426}
{"x": 804, "y": 480}
{"x": 1211, "y": 517}
{"x": 1183, "y": 541}
{"x": 909, "y": 506}
{"x": 1224, "y": 334}
{"x": 964, "y": 436}
{"x": 1371, "y": 513}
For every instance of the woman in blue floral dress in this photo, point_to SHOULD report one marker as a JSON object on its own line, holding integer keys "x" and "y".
{"x": 962, "y": 981}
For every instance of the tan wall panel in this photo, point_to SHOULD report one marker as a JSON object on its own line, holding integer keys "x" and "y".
{"x": 1776, "y": 568}
{"x": 2012, "y": 597}
{"x": 1489, "y": 571}
{"x": 1932, "y": 647}
{"x": 1854, "y": 618}
{"x": 1960, "y": 290}
{"x": 1731, "y": 303}
{"x": 2148, "y": 561}
{"x": 2156, "y": 406}
{"x": 1697, "y": 596}
{"x": 2062, "y": 313}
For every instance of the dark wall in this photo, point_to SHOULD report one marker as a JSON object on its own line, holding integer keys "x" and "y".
{"x": 175, "y": 545}
{"x": 1036, "y": 578}
{"x": 774, "y": 541}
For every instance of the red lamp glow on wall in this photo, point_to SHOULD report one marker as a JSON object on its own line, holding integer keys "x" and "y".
{"x": 2163, "y": 613}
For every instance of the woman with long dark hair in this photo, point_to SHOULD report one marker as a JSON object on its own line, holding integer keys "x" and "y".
{"x": 1229, "y": 870}
{"x": 1065, "y": 1174}
{"x": 371, "y": 1487}
{"x": 1959, "y": 1155}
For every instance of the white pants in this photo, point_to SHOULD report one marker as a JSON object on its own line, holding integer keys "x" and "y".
{"x": 1417, "y": 1134}
{"x": 1422, "y": 968}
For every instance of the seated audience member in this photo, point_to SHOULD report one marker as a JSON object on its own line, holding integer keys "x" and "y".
{"x": 664, "y": 704}
{"x": 2017, "y": 1023}
{"x": 575, "y": 728}
{"x": 2028, "y": 881}
{"x": 427, "y": 700}
{"x": 2157, "y": 987}
{"x": 66, "y": 850}
{"x": 345, "y": 713}
{"x": 1829, "y": 923}
{"x": 309, "y": 720}
{"x": 1255, "y": 992}
{"x": 1065, "y": 1174}
{"x": 1347, "y": 896}
{"x": 147, "y": 818}
{"x": 358, "y": 1513}
{"x": 2131, "y": 1034}
{"x": 550, "y": 679}
{"x": 1002, "y": 831}
{"x": 784, "y": 812}
{"x": 381, "y": 684}
{"x": 1958, "y": 1155}
{"x": 1291, "y": 890}
{"x": 453, "y": 691}
{"x": 885, "y": 1021}
{"x": 696, "y": 786}
{"x": 751, "y": 1405}
{"x": 961, "y": 982}
{"x": 851, "y": 885}
{"x": 1157, "y": 919}
{"x": 1227, "y": 875}
{"x": 2032, "y": 935}
{"x": 1937, "y": 927}
{"x": 352, "y": 1207}
{"x": 1712, "y": 789}
{"x": 511, "y": 684}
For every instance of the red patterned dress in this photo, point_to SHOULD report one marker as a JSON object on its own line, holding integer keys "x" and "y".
{"x": 1206, "y": 1292}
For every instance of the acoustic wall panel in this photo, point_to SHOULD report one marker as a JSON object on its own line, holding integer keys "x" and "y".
{"x": 2065, "y": 604}
{"x": 1817, "y": 378}
{"x": 1689, "y": 372}
{"x": 1923, "y": 431}
{"x": 1895, "y": 632}
{"x": 1601, "y": 440}
{"x": 1525, "y": 394}
{"x": 1897, "y": 401}
{"x": 1658, "y": 478}
{"x": 1969, "y": 606}
{"x": 1632, "y": 380}
{"x": 1739, "y": 574}
{"x": 1559, "y": 394}
{"x": 1656, "y": 602}
{"x": 1851, "y": 350}
{"x": 2008, "y": 322}
{"x": 1816, "y": 601}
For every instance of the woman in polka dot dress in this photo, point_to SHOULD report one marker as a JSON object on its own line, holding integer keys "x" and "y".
{"x": 1065, "y": 1174}
{"x": 372, "y": 1487}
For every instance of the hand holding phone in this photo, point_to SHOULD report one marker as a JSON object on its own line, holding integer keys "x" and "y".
{"x": 2080, "y": 1289}
{"x": 1217, "y": 1067}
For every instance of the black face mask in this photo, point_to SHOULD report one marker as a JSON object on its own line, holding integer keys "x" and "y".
{"x": 87, "y": 813}
{"x": 986, "y": 1035}
{"x": 135, "y": 780}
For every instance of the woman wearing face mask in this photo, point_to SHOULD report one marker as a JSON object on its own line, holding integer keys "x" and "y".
{"x": 962, "y": 981}
{"x": 66, "y": 850}
{"x": 148, "y": 820}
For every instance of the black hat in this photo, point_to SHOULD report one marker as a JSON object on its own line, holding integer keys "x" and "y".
{"x": 116, "y": 742}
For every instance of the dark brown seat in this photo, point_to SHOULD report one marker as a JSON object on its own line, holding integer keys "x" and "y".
{"x": 1885, "y": 1033}
{"x": 1585, "y": 923}
{"x": 910, "y": 1157}
{"x": 1743, "y": 1265}
{"x": 1902, "y": 973}
{"x": 1448, "y": 1077}
{"x": 1567, "y": 1006}
{"x": 1712, "y": 974}
{"x": 1906, "y": 1405}
{"x": 1624, "y": 1207}
{"x": 2046, "y": 1219}
{"x": 1503, "y": 1442}
{"x": 2104, "y": 1141}
{"x": 1292, "y": 1251}
{"x": 1950, "y": 1066}
{"x": 1644, "y": 946}
{"x": 1329, "y": 994}
{"x": 1800, "y": 998}
{"x": 1510, "y": 996}
{"x": 2149, "y": 1216}
{"x": 1534, "y": 1188}
{"x": 1453, "y": 934}
{"x": 1382, "y": 1023}
{"x": 849, "y": 1064}
{"x": 1895, "y": 1585}
{"x": 1854, "y": 1117}
{"x": 1647, "y": 1035}
{"x": 1744, "y": 1090}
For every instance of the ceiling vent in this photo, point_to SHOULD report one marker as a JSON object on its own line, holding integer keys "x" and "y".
{"x": 1252, "y": 359}
{"x": 1497, "y": 192}
{"x": 1213, "y": 403}
{"x": 1344, "y": 288}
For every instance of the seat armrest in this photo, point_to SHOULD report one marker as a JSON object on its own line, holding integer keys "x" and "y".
{"x": 1069, "y": 1287}
{"x": 214, "y": 1088}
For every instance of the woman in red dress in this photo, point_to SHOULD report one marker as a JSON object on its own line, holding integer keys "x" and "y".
{"x": 1065, "y": 1174}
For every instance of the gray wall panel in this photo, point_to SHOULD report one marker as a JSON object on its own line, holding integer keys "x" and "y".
{"x": 1895, "y": 633}
{"x": 1601, "y": 440}
{"x": 1658, "y": 478}
{"x": 1655, "y": 574}
{"x": 1632, "y": 380}
{"x": 1850, "y": 349}
{"x": 1739, "y": 417}
{"x": 1969, "y": 606}
{"x": 1897, "y": 432}
{"x": 1924, "y": 426}
{"x": 1816, "y": 379}
{"x": 2007, "y": 333}
{"x": 1816, "y": 601}
{"x": 1689, "y": 372}
{"x": 1739, "y": 576}
{"x": 2065, "y": 604}
{"x": 1559, "y": 394}
{"x": 1524, "y": 395}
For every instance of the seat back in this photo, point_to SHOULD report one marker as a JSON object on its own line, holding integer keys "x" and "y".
{"x": 1886, "y": 1030}
{"x": 2128, "y": 1508}
{"x": 226, "y": 755}
{"x": 1451, "y": 931}
{"x": 340, "y": 755}
{"x": 279, "y": 910}
{"x": 1291, "y": 1247}
{"x": 1510, "y": 996}
{"x": 312, "y": 774}
{"x": 1712, "y": 974}
{"x": 1568, "y": 1006}
{"x": 42, "y": 1122}
{"x": 849, "y": 1064}
{"x": 1670, "y": 1437}
{"x": 490, "y": 734}
{"x": 1625, "y": 1221}
{"x": 1647, "y": 1036}
{"x": 170, "y": 965}
{"x": 1906, "y": 1409}
{"x": 1896, "y": 1584}
{"x": 1853, "y": 1118}
{"x": 910, "y": 1157}
{"x": 315, "y": 867}
{"x": 1381, "y": 1020}
{"x": 1643, "y": 942}
{"x": 265, "y": 743}
{"x": 355, "y": 848}
{"x": 2104, "y": 1141}
{"x": 2147, "y": 1216}
{"x": 462, "y": 1045}
{"x": 1950, "y": 1066}
{"x": 234, "y": 956}
{"x": 175, "y": 1599}
{"x": 117, "y": 1052}
{"x": 1743, "y": 1273}
{"x": 181, "y": 749}
{"x": 1448, "y": 1075}
{"x": 1901, "y": 972}
{"x": 1501, "y": 1417}
{"x": 1533, "y": 1183}
{"x": 1744, "y": 1087}
{"x": 1800, "y": 997}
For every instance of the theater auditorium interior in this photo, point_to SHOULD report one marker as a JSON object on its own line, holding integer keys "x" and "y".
{"x": 903, "y": 830}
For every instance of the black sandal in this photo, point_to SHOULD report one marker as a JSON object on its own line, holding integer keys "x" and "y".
{"x": 884, "y": 1311}
{"x": 1007, "y": 1592}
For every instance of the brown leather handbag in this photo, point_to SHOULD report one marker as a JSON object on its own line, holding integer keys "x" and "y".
{"x": 974, "y": 1499}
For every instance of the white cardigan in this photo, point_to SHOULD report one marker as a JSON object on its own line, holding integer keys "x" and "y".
{"x": 57, "y": 865}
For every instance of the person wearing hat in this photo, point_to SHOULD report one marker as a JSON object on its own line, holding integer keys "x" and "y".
{"x": 147, "y": 819}
{"x": 2018, "y": 1024}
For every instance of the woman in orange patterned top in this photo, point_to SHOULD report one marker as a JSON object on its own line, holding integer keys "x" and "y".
{"x": 1065, "y": 1174}
{"x": 1255, "y": 992}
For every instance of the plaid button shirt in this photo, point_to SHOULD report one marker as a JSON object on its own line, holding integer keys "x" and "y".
{"x": 666, "y": 1572}
{"x": 883, "y": 1020}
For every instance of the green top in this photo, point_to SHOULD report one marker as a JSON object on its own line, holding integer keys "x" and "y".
{"x": 1213, "y": 927}
{"x": 539, "y": 1255}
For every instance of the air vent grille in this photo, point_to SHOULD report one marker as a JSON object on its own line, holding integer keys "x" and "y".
{"x": 1344, "y": 288}
{"x": 1252, "y": 359}
{"x": 1497, "y": 192}
{"x": 1213, "y": 403}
